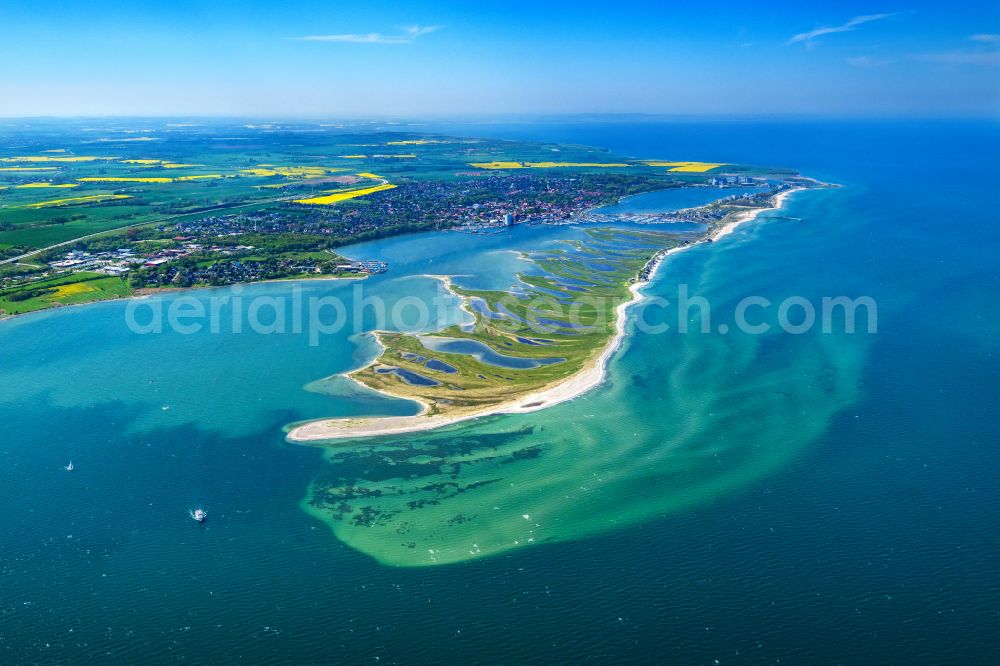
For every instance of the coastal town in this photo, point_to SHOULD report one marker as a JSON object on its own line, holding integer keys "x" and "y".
{"x": 290, "y": 239}
{"x": 295, "y": 241}
{"x": 134, "y": 224}
{"x": 484, "y": 201}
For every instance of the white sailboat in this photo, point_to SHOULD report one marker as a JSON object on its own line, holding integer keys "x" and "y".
{"x": 69, "y": 467}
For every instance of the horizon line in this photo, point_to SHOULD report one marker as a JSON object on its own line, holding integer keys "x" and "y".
{"x": 377, "y": 117}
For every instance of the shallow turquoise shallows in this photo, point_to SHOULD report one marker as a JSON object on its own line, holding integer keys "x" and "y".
{"x": 811, "y": 497}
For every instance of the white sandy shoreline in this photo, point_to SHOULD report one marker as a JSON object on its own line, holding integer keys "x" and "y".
{"x": 573, "y": 386}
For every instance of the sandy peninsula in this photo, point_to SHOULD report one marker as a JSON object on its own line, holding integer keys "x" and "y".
{"x": 568, "y": 388}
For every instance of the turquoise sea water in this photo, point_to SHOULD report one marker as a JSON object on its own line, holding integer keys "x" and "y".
{"x": 813, "y": 498}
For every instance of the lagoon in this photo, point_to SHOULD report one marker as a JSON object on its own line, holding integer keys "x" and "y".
{"x": 484, "y": 353}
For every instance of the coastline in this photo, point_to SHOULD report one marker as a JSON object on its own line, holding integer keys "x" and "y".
{"x": 146, "y": 292}
{"x": 588, "y": 377}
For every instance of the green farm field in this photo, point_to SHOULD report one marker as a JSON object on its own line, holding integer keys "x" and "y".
{"x": 63, "y": 290}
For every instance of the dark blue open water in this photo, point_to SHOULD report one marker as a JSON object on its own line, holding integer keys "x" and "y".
{"x": 872, "y": 539}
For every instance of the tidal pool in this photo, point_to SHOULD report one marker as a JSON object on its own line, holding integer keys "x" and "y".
{"x": 483, "y": 353}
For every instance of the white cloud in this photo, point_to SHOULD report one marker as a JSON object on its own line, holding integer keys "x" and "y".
{"x": 987, "y": 54}
{"x": 416, "y": 30}
{"x": 987, "y": 58}
{"x": 867, "y": 61}
{"x": 408, "y": 34}
{"x": 846, "y": 27}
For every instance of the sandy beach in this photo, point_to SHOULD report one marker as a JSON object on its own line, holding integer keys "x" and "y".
{"x": 566, "y": 389}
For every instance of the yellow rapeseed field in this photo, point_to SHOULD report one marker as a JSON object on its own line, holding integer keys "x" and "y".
{"x": 207, "y": 176}
{"x": 498, "y": 165}
{"x": 123, "y": 179}
{"x": 64, "y": 290}
{"x": 91, "y": 198}
{"x": 290, "y": 171}
{"x": 689, "y": 167}
{"x": 47, "y": 185}
{"x": 163, "y": 164}
{"x": 336, "y": 197}
{"x": 373, "y": 176}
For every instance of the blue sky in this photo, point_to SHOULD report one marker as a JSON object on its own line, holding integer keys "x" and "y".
{"x": 340, "y": 59}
